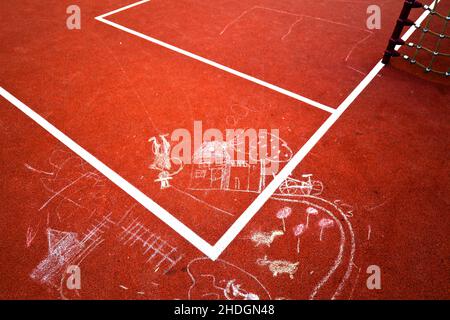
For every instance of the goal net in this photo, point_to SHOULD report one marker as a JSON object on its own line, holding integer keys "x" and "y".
{"x": 430, "y": 49}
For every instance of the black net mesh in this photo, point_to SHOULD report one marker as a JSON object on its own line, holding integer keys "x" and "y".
{"x": 431, "y": 49}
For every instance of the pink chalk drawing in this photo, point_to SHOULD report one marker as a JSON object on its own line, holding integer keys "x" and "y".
{"x": 283, "y": 214}
{"x": 324, "y": 224}
{"x": 310, "y": 211}
{"x": 298, "y": 231}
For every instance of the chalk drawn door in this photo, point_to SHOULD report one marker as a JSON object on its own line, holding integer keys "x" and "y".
{"x": 216, "y": 178}
{"x": 220, "y": 178}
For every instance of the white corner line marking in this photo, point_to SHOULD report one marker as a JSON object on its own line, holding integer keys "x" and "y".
{"x": 214, "y": 64}
{"x": 131, "y": 190}
{"x": 248, "y": 214}
{"x": 122, "y": 9}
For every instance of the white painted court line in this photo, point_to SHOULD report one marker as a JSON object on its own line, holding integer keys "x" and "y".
{"x": 213, "y": 252}
{"x": 214, "y": 64}
{"x": 122, "y": 9}
{"x": 131, "y": 190}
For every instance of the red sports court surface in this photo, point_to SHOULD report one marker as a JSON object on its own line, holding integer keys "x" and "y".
{"x": 364, "y": 153}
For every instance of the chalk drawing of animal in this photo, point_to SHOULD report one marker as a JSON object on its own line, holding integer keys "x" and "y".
{"x": 279, "y": 266}
{"x": 265, "y": 238}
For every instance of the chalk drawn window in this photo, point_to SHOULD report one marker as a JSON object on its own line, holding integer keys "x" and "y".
{"x": 237, "y": 183}
{"x": 199, "y": 174}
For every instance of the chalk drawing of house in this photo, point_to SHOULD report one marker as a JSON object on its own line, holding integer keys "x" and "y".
{"x": 215, "y": 169}
{"x": 62, "y": 248}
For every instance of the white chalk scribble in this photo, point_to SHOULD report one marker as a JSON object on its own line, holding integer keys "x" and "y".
{"x": 163, "y": 162}
{"x": 279, "y": 266}
{"x": 265, "y": 238}
{"x": 221, "y": 279}
{"x": 157, "y": 250}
